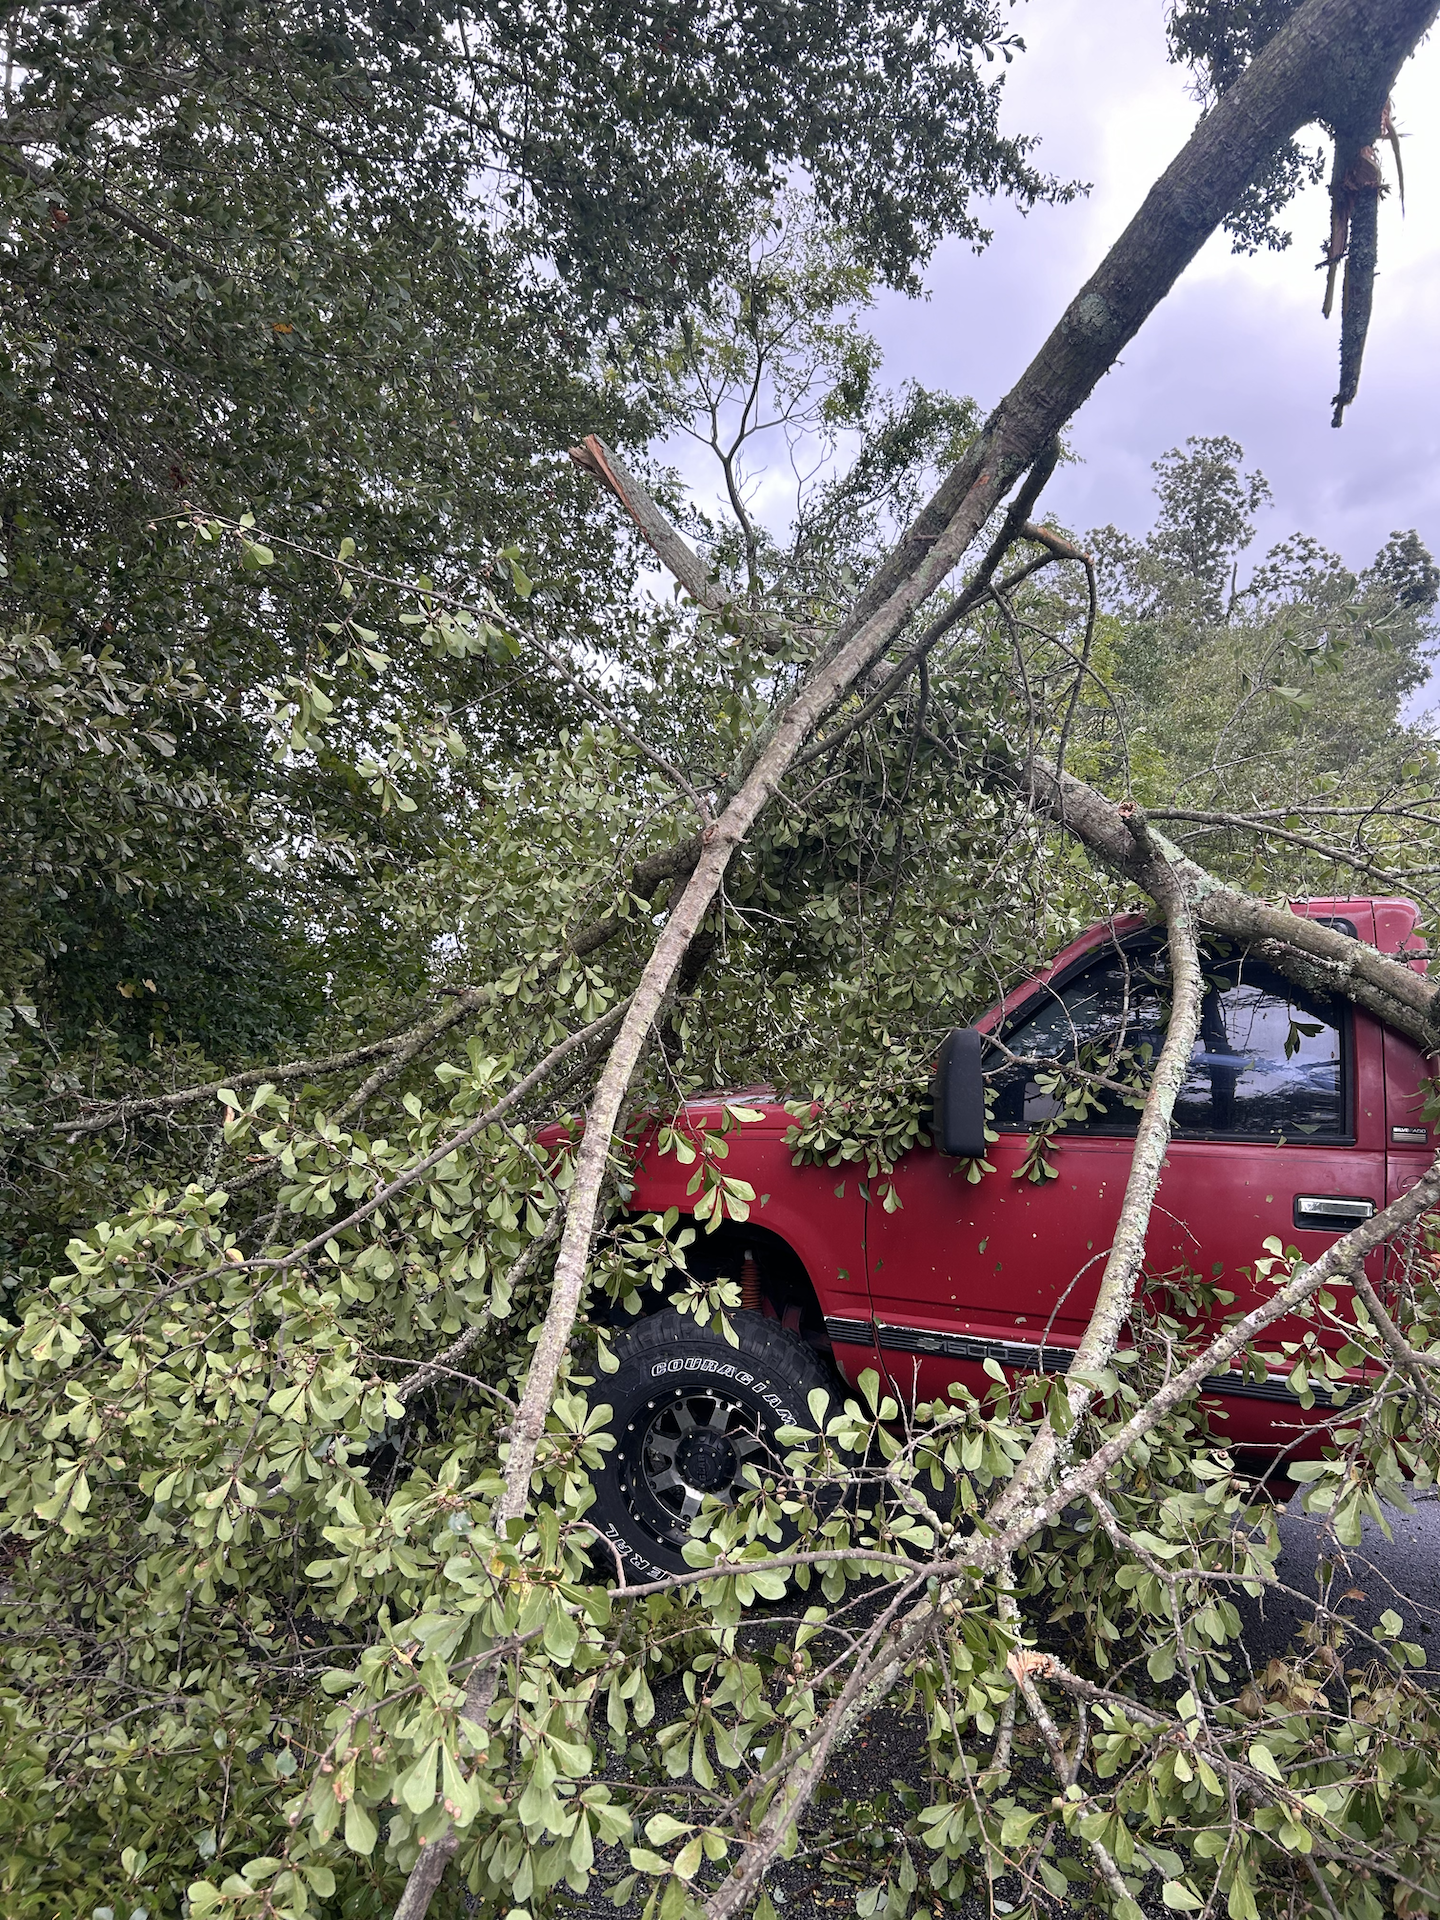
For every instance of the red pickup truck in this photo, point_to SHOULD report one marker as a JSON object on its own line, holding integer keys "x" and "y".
{"x": 1300, "y": 1116}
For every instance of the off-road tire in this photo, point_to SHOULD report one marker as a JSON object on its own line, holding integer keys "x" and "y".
{"x": 689, "y": 1412}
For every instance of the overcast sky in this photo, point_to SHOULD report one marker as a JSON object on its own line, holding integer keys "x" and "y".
{"x": 1239, "y": 347}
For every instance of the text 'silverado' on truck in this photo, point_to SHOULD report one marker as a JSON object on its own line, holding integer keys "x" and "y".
{"x": 1299, "y": 1117}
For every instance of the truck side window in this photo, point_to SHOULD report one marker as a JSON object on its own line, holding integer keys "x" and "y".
{"x": 1268, "y": 1063}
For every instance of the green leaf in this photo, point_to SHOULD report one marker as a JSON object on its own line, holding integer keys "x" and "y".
{"x": 1180, "y": 1896}
{"x": 417, "y": 1789}
{"x": 687, "y": 1861}
{"x": 361, "y": 1831}
{"x": 662, "y": 1828}
{"x": 562, "y": 1634}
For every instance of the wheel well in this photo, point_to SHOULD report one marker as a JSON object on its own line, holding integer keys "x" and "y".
{"x": 786, "y": 1292}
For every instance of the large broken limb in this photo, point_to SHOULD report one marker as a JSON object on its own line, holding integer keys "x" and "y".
{"x": 1355, "y": 190}
{"x": 1319, "y": 957}
{"x": 670, "y": 546}
{"x": 1291, "y": 83}
{"x": 667, "y": 543}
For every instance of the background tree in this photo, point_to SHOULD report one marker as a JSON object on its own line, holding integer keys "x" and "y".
{"x": 365, "y": 273}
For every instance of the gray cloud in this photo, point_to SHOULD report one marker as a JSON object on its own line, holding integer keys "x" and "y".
{"x": 1239, "y": 347}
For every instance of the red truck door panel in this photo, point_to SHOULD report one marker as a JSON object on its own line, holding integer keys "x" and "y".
{"x": 1410, "y": 1140}
{"x": 1280, "y": 1131}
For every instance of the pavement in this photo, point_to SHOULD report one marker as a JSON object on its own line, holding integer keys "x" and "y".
{"x": 1399, "y": 1574}
{"x": 886, "y": 1760}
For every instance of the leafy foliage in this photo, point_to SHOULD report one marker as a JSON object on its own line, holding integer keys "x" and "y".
{"x": 347, "y": 787}
{"x": 364, "y": 273}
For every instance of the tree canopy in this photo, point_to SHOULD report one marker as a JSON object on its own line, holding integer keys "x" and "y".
{"x": 367, "y": 272}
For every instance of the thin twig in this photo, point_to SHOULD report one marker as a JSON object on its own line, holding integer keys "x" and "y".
{"x": 278, "y": 1262}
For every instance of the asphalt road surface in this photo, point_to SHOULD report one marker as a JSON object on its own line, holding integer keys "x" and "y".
{"x": 821, "y": 1882}
{"x": 1401, "y": 1574}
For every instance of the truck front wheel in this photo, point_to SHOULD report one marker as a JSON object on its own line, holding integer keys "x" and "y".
{"x": 690, "y": 1414}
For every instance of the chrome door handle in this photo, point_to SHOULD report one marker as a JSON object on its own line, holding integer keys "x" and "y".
{"x": 1339, "y": 1210}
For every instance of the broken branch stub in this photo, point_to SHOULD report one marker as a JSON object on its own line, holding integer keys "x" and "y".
{"x": 669, "y": 545}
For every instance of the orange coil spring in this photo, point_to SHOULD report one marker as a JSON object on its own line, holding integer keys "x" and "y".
{"x": 749, "y": 1284}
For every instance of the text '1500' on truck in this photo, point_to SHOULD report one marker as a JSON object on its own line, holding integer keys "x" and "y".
{"x": 1300, "y": 1116}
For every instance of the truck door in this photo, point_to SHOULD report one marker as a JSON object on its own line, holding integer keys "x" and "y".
{"x": 1410, "y": 1140}
{"x": 1278, "y": 1132}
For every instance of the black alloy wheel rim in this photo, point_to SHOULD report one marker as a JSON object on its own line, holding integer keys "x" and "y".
{"x": 693, "y": 1446}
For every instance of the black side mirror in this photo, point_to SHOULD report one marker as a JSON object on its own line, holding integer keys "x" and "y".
{"x": 959, "y": 1126}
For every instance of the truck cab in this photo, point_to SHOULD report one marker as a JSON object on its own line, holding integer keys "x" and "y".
{"x": 1301, "y": 1116}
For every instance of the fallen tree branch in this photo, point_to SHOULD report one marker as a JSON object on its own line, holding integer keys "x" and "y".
{"x": 990, "y": 1550}
{"x": 1342, "y": 856}
{"x": 1318, "y": 956}
{"x": 278, "y": 1262}
{"x": 1290, "y": 83}
{"x": 119, "y": 1112}
{"x": 1116, "y": 1293}
{"x": 1023, "y": 1665}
